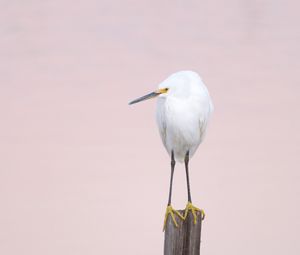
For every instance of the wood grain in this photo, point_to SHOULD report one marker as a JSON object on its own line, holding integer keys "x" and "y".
{"x": 184, "y": 239}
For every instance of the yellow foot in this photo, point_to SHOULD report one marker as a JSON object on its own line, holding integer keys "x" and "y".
{"x": 193, "y": 209}
{"x": 172, "y": 212}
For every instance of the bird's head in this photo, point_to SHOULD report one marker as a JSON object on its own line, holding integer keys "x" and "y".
{"x": 177, "y": 85}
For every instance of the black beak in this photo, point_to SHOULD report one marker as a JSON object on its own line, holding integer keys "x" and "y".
{"x": 146, "y": 97}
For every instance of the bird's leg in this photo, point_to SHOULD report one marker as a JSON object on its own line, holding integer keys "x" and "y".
{"x": 170, "y": 209}
{"x": 173, "y": 162}
{"x": 186, "y": 163}
{"x": 190, "y": 206}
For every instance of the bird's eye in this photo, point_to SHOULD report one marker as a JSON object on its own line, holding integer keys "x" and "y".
{"x": 162, "y": 91}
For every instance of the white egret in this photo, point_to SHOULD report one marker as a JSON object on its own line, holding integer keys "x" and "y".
{"x": 183, "y": 111}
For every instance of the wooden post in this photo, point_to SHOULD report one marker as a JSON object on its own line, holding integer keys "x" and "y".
{"x": 184, "y": 239}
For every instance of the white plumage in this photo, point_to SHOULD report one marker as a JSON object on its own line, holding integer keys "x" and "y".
{"x": 183, "y": 113}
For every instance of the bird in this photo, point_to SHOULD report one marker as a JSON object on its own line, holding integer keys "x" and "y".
{"x": 184, "y": 108}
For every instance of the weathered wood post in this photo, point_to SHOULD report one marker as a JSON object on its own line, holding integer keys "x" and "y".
{"x": 184, "y": 239}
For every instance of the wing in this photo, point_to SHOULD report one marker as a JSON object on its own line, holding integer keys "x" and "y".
{"x": 161, "y": 121}
{"x": 205, "y": 119}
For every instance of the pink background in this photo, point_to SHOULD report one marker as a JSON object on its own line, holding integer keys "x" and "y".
{"x": 81, "y": 172}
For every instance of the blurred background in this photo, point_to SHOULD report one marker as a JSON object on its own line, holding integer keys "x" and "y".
{"x": 81, "y": 172}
